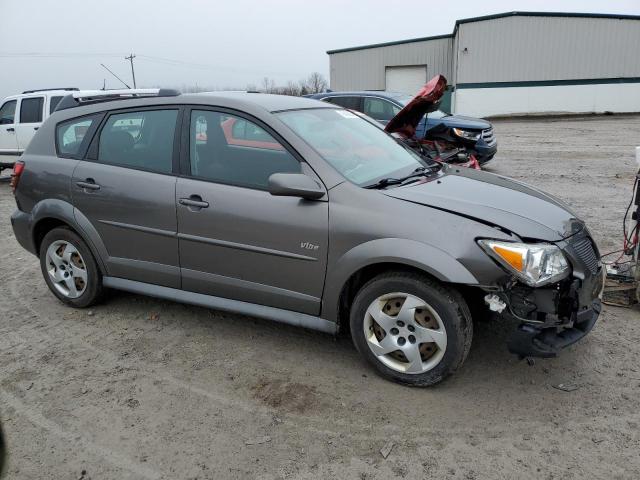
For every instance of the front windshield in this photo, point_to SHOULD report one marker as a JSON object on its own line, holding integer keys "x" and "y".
{"x": 358, "y": 150}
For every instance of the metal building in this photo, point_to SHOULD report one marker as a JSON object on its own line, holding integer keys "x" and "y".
{"x": 510, "y": 63}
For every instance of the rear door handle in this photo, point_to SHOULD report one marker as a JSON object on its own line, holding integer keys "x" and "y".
{"x": 88, "y": 184}
{"x": 194, "y": 201}
{"x": 36, "y": 128}
{"x": 11, "y": 129}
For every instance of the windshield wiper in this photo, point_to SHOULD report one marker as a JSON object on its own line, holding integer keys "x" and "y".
{"x": 385, "y": 182}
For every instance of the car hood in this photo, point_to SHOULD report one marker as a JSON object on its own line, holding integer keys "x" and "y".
{"x": 460, "y": 121}
{"x": 495, "y": 200}
{"x": 427, "y": 99}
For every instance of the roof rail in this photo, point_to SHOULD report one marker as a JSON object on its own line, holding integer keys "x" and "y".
{"x": 51, "y": 89}
{"x": 86, "y": 97}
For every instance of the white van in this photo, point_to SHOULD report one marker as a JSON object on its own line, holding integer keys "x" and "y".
{"x": 20, "y": 117}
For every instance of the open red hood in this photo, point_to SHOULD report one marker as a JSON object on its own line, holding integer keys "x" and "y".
{"x": 407, "y": 119}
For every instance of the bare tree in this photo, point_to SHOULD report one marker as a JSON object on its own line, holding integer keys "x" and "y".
{"x": 290, "y": 89}
{"x": 303, "y": 87}
{"x": 316, "y": 83}
{"x": 268, "y": 85}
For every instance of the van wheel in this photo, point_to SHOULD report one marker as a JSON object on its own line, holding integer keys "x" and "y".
{"x": 412, "y": 329}
{"x": 69, "y": 268}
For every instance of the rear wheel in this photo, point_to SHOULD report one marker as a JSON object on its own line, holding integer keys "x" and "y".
{"x": 69, "y": 268}
{"x": 412, "y": 329}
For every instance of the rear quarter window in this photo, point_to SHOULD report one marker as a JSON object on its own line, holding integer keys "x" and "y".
{"x": 70, "y": 136}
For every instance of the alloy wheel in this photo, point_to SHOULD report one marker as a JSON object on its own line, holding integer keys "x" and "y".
{"x": 405, "y": 333}
{"x": 66, "y": 268}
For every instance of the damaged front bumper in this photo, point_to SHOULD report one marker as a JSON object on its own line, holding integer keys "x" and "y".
{"x": 530, "y": 340}
{"x": 553, "y": 317}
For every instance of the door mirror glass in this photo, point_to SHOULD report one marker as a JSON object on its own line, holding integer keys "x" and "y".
{"x": 295, "y": 185}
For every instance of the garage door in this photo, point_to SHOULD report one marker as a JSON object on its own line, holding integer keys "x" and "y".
{"x": 406, "y": 79}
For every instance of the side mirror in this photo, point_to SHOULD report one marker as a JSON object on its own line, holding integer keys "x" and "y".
{"x": 295, "y": 185}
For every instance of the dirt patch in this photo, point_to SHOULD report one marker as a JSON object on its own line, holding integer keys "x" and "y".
{"x": 286, "y": 396}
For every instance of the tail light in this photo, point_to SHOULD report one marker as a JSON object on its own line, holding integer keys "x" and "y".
{"x": 18, "y": 168}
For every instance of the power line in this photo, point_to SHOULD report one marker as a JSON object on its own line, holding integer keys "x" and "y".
{"x": 56, "y": 55}
{"x": 107, "y": 69}
{"x": 147, "y": 58}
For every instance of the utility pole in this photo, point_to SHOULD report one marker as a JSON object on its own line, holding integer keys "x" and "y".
{"x": 133, "y": 73}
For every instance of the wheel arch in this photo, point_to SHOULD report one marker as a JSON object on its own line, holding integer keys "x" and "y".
{"x": 50, "y": 214}
{"x": 362, "y": 263}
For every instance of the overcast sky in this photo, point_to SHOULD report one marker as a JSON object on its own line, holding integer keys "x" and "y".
{"x": 220, "y": 44}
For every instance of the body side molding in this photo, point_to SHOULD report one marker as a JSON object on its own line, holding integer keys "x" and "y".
{"x": 271, "y": 313}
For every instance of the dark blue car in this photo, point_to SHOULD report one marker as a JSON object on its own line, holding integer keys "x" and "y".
{"x": 383, "y": 106}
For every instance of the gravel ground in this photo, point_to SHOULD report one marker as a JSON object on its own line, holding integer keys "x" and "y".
{"x": 139, "y": 388}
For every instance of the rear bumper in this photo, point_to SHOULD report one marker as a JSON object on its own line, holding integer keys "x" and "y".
{"x": 21, "y": 224}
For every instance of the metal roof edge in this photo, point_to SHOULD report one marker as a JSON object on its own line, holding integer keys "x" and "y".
{"x": 494, "y": 16}
{"x": 389, "y": 44}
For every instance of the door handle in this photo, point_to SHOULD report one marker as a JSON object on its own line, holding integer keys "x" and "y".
{"x": 88, "y": 184}
{"x": 11, "y": 129}
{"x": 36, "y": 128}
{"x": 194, "y": 201}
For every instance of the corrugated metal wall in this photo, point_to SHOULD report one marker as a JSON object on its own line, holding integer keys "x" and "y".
{"x": 365, "y": 69}
{"x": 547, "y": 48}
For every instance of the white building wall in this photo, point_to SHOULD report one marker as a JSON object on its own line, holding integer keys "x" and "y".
{"x": 532, "y": 48}
{"x": 364, "y": 69}
{"x": 599, "y": 98}
{"x": 520, "y": 50}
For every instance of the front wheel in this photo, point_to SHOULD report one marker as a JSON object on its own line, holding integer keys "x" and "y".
{"x": 412, "y": 329}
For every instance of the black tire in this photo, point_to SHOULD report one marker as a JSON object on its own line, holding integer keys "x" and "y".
{"x": 445, "y": 301}
{"x": 94, "y": 291}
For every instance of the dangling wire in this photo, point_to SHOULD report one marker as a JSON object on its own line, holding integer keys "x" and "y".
{"x": 630, "y": 239}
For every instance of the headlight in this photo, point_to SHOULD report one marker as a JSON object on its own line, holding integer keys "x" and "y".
{"x": 466, "y": 134}
{"x": 536, "y": 264}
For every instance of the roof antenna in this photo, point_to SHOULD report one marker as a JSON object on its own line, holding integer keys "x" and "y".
{"x": 123, "y": 82}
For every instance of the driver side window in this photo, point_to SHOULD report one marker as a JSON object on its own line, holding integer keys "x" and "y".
{"x": 8, "y": 112}
{"x": 235, "y": 151}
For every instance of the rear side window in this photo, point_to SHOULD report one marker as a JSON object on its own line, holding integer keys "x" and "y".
{"x": 352, "y": 103}
{"x": 7, "y": 112}
{"x": 70, "y": 135}
{"x": 53, "y": 103}
{"x": 142, "y": 140}
{"x": 31, "y": 110}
